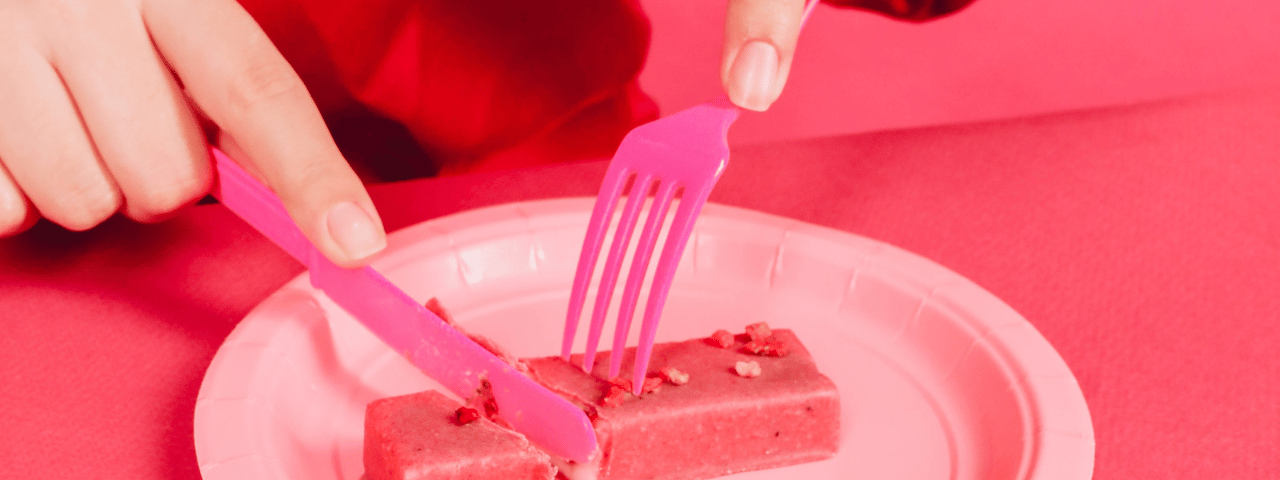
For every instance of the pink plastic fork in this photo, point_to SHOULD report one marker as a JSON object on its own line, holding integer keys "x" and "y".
{"x": 684, "y": 153}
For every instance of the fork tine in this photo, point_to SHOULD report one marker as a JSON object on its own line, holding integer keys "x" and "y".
{"x": 681, "y": 226}
{"x": 610, "y": 189}
{"x": 609, "y": 277}
{"x": 684, "y": 149}
{"x": 639, "y": 265}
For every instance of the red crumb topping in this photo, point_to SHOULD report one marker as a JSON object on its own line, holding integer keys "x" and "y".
{"x": 759, "y": 331}
{"x": 623, "y": 383}
{"x": 721, "y": 338}
{"x": 483, "y": 401}
{"x": 766, "y": 348}
{"x": 651, "y": 384}
{"x": 747, "y": 369}
{"x": 615, "y": 396}
{"x": 674, "y": 376}
{"x": 435, "y": 307}
{"x": 467, "y": 415}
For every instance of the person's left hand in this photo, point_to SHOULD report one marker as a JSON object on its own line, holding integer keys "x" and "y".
{"x": 759, "y": 42}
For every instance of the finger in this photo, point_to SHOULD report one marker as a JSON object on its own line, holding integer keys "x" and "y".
{"x": 241, "y": 81}
{"x": 133, "y": 110}
{"x": 759, "y": 43}
{"x": 16, "y": 214}
{"x": 44, "y": 145}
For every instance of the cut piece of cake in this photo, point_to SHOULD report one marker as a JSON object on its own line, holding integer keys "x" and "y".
{"x": 717, "y": 422}
{"x": 710, "y": 407}
{"x": 420, "y": 436}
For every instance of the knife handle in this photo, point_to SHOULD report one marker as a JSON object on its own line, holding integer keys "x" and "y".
{"x": 259, "y": 207}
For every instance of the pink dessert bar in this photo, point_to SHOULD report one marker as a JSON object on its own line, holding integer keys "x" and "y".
{"x": 701, "y": 415}
{"x": 419, "y": 436}
{"x": 717, "y": 423}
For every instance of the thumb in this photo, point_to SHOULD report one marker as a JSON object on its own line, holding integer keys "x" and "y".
{"x": 759, "y": 43}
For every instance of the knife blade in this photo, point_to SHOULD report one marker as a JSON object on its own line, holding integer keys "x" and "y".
{"x": 406, "y": 326}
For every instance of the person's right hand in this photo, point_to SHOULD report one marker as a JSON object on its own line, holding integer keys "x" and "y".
{"x": 96, "y": 116}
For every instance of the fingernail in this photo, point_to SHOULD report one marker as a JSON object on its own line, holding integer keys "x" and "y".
{"x": 753, "y": 75}
{"x": 354, "y": 231}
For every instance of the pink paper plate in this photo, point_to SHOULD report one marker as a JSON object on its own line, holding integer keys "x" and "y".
{"x": 938, "y": 378}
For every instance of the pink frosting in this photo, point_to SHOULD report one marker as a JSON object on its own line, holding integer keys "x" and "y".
{"x": 718, "y": 423}
{"x": 417, "y": 437}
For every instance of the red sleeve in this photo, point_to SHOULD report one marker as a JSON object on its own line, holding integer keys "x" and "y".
{"x": 477, "y": 84}
{"x": 413, "y": 88}
{"x": 913, "y": 10}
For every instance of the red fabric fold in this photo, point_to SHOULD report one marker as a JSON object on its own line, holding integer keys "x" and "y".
{"x": 912, "y": 10}
{"x": 470, "y": 80}
{"x": 420, "y": 88}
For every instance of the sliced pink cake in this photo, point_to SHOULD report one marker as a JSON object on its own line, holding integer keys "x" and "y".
{"x": 723, "y": 420}
{"x": 711, "y": 407}
{"x": 419, "y": 436}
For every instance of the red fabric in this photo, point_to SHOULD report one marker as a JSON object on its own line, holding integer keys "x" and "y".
{"x": 477, "y": 85}
{"x": 914, "y": 10}
{"x": 1140, "y": 241}
{"x": 417, "y": 88}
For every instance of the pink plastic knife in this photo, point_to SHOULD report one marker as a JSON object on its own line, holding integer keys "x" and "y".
{"x": 407, "y": 327}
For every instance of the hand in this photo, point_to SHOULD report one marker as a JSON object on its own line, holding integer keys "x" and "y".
{"x": 97, "y": 115}
{"x": 759, "y": 42}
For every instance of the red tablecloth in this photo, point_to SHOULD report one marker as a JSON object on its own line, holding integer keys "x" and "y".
{"x": 1142, "y": 241}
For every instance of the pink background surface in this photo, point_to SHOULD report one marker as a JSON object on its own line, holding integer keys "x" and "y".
{"x": 1139, "y": 239}
{"x": 858, "y": 72}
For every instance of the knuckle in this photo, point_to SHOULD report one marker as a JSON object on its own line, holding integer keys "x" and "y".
{"x": 88, "y": 201}
{"x": 69, "y": 10}
{"x": 263, "y": 82}
{"x": 165, "y": 197}
{"x": 87, "y": 212}
{"x": 13, "y": 217}
{"x": 318, "y": 173}
{"x": 70, "y": 15}
{"x": 311, "y": 183}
